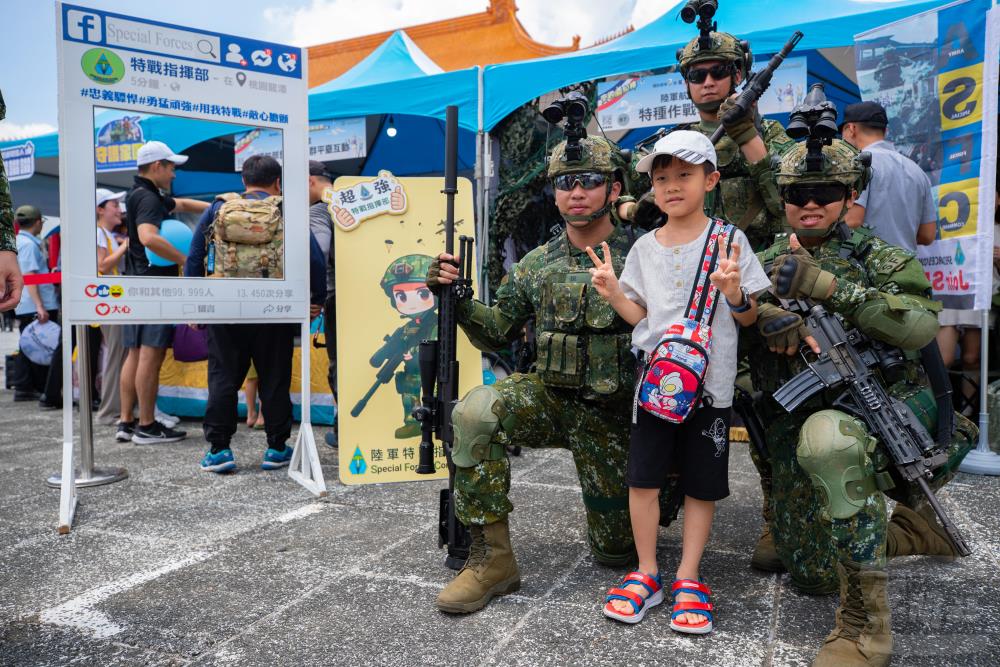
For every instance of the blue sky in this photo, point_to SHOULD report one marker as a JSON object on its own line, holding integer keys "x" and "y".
{"x": 28, "y": 51}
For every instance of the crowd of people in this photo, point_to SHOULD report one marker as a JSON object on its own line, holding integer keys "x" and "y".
{"x": 625, "y": 326}
{"x": 126, "y": 380}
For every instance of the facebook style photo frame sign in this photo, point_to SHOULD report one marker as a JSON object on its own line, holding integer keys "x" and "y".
{"x": 131, "y": 88}
{"x": 126, "y": 82}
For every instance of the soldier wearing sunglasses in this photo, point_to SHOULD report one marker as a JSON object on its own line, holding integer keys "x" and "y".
{"x": 829, "y": 476}
{"x": 579, "y": 395}
{"x": 746, "y": 195}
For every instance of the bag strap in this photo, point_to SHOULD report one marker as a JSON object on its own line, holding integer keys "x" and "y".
{"x": 704, "y": 295}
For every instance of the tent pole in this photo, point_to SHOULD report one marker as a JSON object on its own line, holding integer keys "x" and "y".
{"x": 483, "y": 230}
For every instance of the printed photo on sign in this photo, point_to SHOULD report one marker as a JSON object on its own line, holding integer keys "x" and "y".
{"x": 243, "y": 236}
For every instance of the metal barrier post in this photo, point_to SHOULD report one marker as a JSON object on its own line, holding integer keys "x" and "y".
{"x": 981, "y": 460}
{"x": 88, "y": 475}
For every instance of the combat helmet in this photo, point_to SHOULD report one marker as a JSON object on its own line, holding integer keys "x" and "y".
{"x": 405, "y": 269}
{"x": 597, "y": 154}
{"x": 725, "y": 46}
{"x": 842, "y": 163}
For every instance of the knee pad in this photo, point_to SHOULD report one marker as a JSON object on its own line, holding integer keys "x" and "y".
{"x": 833, "y": 448}
{"x": 476, "y": 419}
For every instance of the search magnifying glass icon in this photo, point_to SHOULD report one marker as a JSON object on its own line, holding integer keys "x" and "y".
{"x": 205, "y": 46}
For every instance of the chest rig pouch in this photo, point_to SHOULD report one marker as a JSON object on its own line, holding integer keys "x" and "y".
{"x": 577, "y": 346}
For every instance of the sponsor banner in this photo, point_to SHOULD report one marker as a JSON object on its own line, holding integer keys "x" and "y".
{"x": 381, "y": 320}
{"x": 329, "y": 140}
{"x": 661, "y": 99}
{"x": 19, "y": 161}
{"x": 936, "y": 75}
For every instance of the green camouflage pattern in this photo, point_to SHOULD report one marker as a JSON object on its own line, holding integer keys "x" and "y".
{"x": 552, "y": 284}
{"x": 724, "y": 47}
{"x": 596, "y": 432}
{"x": 747, "y": 195}
{"x": 7, "y": 240}
{"x": 842, "y": 164}
{"x": 807, "y": 540}
{"x": 599, "y": 155}
{"x": 590, "y": 419}
{"x": 405, "y": 269}
{"x": 249, "y": 238}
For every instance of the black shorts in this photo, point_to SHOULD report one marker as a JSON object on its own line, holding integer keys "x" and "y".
{"x": 697, "y": 451}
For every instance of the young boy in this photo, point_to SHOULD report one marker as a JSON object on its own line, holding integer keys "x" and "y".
{"x": 653, "y": 294}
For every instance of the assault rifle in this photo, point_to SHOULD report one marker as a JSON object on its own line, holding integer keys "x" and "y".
{"x": 439, "y": 363}
{"x": 391, "y": 356}
{"x": 756, "y": 84}
{"x": 849, "y": 358}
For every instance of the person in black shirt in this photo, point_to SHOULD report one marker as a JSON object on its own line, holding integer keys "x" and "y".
{"x": 146, "y": 208}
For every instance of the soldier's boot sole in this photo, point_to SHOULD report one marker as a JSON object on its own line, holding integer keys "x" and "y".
{"x": 765, "y": 555}
{"x": 510, "y": 585}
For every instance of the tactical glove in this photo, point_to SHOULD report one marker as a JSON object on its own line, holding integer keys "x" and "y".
{"x": 781, "y": 329}
{"x": 797, "y": 275}
{"x": 647, "y": 214}
{"x": 432, "y": 277}
{"x": 740, "y": 129}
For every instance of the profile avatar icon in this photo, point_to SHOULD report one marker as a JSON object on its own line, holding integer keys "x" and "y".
{"x": 234, "y": 55}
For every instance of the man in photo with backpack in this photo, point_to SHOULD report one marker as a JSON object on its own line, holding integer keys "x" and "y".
{"x": 231, "y": 347}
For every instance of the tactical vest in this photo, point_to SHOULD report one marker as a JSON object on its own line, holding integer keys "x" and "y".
{"x": 582, "y": 343}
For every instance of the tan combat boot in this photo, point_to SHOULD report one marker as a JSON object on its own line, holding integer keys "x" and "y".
{"x": 914, "y": 533}
{"x": 490, "y": 570}
{"x": 765, "y": 555}
{"x": 862, "y": 637}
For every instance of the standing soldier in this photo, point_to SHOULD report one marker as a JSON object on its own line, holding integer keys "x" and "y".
{"x": 746, "y": 194}
{"x": 11, "y": 281}
{"x": 833, "y": 533}
{"x": 579, "y": 397}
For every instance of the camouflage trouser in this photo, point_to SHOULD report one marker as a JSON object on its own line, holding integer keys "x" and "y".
{"x": 596, "y": 433}
{"x": 807, "y": 540}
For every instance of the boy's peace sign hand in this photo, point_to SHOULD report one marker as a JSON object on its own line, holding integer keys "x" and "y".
{"x": 602, "y": 276}
{"x": 727, "y": 272}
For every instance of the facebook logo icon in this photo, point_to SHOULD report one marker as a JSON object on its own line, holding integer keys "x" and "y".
{"x": 84, "y": 26}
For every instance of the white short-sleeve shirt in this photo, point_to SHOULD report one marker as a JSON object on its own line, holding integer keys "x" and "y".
{"x": 659, "y": 278}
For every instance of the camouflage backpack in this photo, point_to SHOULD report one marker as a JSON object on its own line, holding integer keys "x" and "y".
{"x": 246, "y": 238}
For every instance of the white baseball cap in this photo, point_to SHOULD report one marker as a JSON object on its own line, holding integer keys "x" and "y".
{"x": 105, "y": 195}
{"x": 153, "y": 151}
{"x": 688, "y": 145}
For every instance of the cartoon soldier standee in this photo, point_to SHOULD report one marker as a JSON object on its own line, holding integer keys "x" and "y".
{"x": 405, "y": 283}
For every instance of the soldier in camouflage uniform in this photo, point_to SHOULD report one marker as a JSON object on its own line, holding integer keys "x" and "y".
{"x": 578, "y": 398}
{"x": 833, "y": 533}
{"x": 11, "y": 281}
{"x": 746, "y": 194}
{"x": 405, "y": 283}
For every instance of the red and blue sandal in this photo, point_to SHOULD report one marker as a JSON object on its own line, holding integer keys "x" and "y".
{"x": 703, "y": 607}
{"x": 640, "y": 604}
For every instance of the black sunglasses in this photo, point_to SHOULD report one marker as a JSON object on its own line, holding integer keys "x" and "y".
{"x": 588, "y": 180}
{"x": 720, "y": 71}
{"x": 800, "y": 195}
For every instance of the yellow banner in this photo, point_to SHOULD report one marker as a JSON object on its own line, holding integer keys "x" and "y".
{"x": 384, "y": 309}
{"x": 958, "y": 208}
{"x": 961, "y": 94}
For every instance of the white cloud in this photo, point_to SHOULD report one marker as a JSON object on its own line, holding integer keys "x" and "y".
{"x": 333, "y": 20}
{"x": 9, "y": 131}
{"x": 548, "y": 21}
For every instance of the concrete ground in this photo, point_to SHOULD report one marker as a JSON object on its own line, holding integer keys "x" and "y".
{"x": 178, "y": 567}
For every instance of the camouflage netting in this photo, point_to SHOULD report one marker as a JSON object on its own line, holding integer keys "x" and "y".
{"x": 523, "y": 209}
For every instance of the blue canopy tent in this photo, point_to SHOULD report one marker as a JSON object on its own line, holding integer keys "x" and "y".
{"x": 398, "y": 79}
{"x": 766, "y": 23}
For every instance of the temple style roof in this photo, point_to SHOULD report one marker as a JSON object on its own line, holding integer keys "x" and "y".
{"x": 493, "y": 36}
